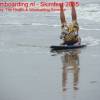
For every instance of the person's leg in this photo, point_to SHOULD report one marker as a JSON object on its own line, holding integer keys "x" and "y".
{"x": 63, "y": 23}
{"x": 74, "y": 15}
{"x": 62, "y": 15}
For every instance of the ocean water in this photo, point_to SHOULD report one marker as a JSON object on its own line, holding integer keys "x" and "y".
{"x": 29, "y": 71}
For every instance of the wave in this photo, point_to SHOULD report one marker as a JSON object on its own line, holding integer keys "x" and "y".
{"x": 88, "y": 12}
{"x": 34, "y": 24}
{"x": 91, "y": 41}
{"x": 95, "y": 29}
{"x": 30, "y": 24}
{"x": 43, "y": 24}
{"x": 33, "y": 45}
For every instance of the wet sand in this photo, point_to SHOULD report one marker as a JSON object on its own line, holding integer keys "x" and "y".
{"x": 28, "y": 70}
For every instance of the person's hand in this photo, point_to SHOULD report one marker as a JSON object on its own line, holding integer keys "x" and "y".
{"x": 60, "y": 36}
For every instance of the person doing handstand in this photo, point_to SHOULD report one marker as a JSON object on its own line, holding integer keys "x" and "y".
{"x": 70, "y": 31}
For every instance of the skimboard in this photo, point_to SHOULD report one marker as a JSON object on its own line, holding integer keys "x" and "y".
{"x": 66, "y": 47}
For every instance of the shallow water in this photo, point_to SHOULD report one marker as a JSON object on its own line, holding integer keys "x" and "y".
{"x": 28, "y": 70}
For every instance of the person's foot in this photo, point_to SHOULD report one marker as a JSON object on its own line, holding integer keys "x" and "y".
{"x": 72, "y": 3}
{"x": 61, "y": 6}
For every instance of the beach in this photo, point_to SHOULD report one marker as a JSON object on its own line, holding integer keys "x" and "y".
{"x": 28, "y": 68}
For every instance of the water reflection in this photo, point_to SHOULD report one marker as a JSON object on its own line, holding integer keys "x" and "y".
{"x": 70, "y": 70}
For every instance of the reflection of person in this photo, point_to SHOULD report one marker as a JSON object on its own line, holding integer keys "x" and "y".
{"x": 70, "y": 62}
{"x": 69, "y": 32}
